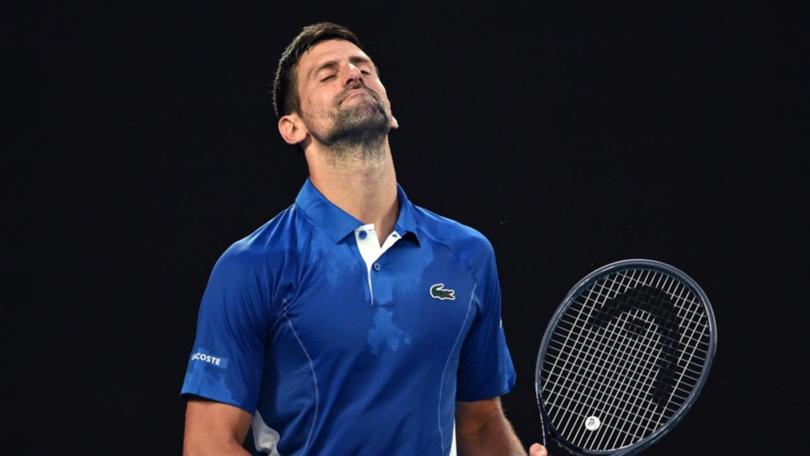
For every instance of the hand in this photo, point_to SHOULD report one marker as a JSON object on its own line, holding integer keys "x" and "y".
{"x": 537, "y": 450}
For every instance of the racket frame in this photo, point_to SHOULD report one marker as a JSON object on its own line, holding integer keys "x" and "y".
{"x": 633, "y": 263}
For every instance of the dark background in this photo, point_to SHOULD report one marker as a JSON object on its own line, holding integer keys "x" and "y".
{"x": 142, "y": 142}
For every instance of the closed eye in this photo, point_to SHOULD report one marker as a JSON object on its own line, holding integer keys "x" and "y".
{"x": 331, "y": 76}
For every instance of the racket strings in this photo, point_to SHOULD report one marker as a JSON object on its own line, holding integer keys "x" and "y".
{"x": 631, "y": 326}
{"x": 629, "y": 351}
{"x": 657, "y": 395}
{"x": 639, "y": 378}
{"x": 616, "y": 387}
{"x": 670, "y": 320}
{"x": 660, "y": 309}
{"x": 592, "y": 343}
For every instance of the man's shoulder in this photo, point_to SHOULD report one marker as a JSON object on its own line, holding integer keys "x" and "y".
{"x": 275, "y": 237}
{"x": 464, "y": 240}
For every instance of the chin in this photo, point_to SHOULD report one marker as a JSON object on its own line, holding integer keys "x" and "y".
{"x": 368, "y": 133}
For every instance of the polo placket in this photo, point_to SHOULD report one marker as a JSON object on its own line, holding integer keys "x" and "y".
{"x": 371, "y": 251}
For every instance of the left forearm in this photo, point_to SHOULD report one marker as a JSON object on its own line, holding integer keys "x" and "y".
{"x": 495, "y": 437}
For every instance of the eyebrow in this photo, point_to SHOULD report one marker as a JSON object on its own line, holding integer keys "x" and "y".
{"x": 355, "y": 59}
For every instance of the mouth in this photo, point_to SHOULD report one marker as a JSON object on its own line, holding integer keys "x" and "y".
{"x": 356, "y": 92}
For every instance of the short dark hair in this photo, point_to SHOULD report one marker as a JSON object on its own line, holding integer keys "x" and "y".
{"x": 285, "y": 95}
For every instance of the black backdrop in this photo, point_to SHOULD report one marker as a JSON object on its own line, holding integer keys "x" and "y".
{"x": 142, "y": 143}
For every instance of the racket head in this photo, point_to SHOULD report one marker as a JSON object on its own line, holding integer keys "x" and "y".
{"x": 622, "y": 376}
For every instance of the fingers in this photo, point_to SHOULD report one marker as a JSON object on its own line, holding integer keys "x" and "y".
{"x": 537, "y": 450}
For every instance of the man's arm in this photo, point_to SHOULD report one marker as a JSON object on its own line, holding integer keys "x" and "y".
{"x": 214, "y": 428}
{"x": 482, "y": 429}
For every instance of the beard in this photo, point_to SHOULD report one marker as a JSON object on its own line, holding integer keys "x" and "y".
{"x": 358, "y": 124}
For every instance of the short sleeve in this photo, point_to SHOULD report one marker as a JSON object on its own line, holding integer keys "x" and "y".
{"x": 227, "y": 359}
{"x": 485, "y": 365}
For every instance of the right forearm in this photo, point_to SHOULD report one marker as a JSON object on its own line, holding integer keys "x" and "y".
{"x": 214, "y": 428}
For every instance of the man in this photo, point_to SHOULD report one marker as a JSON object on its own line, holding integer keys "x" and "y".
{"x": 352, "y": 323}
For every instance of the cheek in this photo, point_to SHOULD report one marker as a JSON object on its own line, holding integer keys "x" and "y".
{"x": 384, "y": 95}
{"x": 380, "y": 90}
{"x": 307, "y": 104}
{"x": 315, "y": 105}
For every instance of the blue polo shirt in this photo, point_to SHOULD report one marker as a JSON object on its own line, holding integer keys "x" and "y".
{"x": 338, "y": 346}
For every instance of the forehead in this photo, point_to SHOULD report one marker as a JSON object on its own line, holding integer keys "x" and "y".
{"x": 329, "y": 50}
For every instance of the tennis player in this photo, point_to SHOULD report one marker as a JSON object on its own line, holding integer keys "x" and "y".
{"x": 354, "y": 322}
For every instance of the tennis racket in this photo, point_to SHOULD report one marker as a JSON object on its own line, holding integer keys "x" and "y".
{"x": 624, "y": 358}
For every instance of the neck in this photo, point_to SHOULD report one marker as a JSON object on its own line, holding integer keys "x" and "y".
{"x": 360, "y": 181}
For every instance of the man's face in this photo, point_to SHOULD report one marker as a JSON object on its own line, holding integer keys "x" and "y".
{"x": 341, "y": 97}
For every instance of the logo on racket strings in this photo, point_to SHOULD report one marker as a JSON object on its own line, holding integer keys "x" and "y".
{"x": 437, "y": 291}
{"x": 660, "y": 306}
{"x": 592, "y": 423}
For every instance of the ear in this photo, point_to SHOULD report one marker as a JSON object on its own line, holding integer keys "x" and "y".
{"x": 292, "y": 129}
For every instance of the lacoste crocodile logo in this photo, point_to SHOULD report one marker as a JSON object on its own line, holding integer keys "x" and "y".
{"x": 437, "y": 291}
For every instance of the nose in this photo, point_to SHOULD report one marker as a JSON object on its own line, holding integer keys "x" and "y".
{"x": 353, "y": 74}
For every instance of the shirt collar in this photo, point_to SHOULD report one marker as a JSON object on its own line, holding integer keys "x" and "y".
{"x": 337, "y": 223}
{"x": 406, "y": 222}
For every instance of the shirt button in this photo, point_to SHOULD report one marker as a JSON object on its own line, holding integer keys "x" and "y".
{"x": 362, "y": 234}
{"x": 377, "y": 266}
